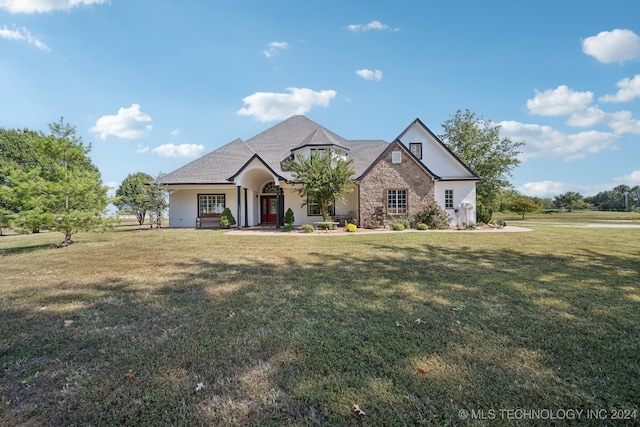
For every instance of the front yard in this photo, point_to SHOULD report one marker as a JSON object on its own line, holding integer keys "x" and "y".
{"x": 193, "y": 327}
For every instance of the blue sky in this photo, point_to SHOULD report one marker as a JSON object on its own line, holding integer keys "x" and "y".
{"x": 152, "y": 84}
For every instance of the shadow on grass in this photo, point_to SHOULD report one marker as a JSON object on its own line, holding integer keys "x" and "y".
{"x": 411, "y": 333}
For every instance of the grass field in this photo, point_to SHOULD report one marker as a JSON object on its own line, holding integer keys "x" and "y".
{"x": 195, "y": 327}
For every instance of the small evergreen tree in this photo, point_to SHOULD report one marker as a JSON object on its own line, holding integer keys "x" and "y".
{"x": 226, "y": 218}
{"x": 289, "y": 218}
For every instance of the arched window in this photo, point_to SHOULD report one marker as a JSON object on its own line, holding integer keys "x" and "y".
{"x": 269, "y": 188}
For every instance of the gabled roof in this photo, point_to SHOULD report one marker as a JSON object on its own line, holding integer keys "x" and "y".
{"x": 272, "y": 147}
{"x": 417, "y": 121}
{"x": 408, "y": 152}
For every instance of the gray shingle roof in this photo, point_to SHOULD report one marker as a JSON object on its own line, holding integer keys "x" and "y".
{"x": 274, "y": 145}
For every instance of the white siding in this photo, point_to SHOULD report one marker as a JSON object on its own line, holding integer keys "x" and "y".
{"x": 434, "y": 156}
{"x": 463, "y": 191}
{"x": 183, "y": 203}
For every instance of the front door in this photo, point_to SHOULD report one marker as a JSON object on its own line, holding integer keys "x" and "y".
{"x": 268, "y": 209}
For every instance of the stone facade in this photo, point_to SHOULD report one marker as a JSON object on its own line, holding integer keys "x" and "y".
{"x": 385, "y": 175}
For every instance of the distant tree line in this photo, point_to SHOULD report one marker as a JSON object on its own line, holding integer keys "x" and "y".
{"x": 621, "y": 198}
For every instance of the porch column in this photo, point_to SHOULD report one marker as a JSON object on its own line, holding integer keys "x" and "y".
{"x": 239, "y": 214}
{"x": 278, "y": 213}
{"x": 246, "y": 208}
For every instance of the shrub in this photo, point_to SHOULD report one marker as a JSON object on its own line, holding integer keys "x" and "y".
{"x": 433, "y": 216}
{"x": 422, "y": 226}
{"x": 398, "y": 226}
{"x": 483, "y": 214}
{"x": 228, "y": 216}
{"x": 351, "y": 228}
{"x": 307, "y": 228}
{"x": 287, "y": 227}
{"x": 289, "y": 218}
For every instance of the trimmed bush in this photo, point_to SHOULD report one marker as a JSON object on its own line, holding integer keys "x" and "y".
{"x": 287, "y": 227}
{"x": 351, "y": 228}
{"x": 422, "y": 226}
{"x": 289, "y": 218}
{"x": 226, "y": 218}
{"x": 307, "y": 228}
{"x": 398, "y": 226}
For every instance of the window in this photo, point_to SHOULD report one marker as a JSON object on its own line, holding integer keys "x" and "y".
{"x": 313, "y": 209}
{"x": 397, "y": 202}
{"x": 448, "y": 199}
{"x": 210, "y": 203}
{"x": 396, "y": 157}
{"x": 269, "y": 188}
{"x": 416, "y": 149}
{"x": 317, "y": 153}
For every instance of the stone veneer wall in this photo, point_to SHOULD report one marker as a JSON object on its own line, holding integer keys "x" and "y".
{"x": 407, "y": 175}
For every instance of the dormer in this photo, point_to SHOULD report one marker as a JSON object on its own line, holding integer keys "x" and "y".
{"x": 319, "y": 142}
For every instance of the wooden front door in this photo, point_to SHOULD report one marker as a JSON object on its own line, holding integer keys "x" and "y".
{"x": 268, "y": 209}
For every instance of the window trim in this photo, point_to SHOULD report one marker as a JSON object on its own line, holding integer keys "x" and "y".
{"x": 416, "y": 144}
{"x": 448, "y": 198}
{"x": 216, "y": 203}
{"x": 397, "y": 208}
{"x": 396, "y": 156}
{"x": 310, "y": 204}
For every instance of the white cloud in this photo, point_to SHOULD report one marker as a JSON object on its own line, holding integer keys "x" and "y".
{"x": 142, "y": 149}
{"x": 544, "y": 141}
{"x": 374, "y": 75}
{"x": 35, "y": 6}
{"x": 623, "y": 122}
{"x": 559, "y": 101}
{"x": 275, "y": 48}
{"x": 21, "y": 34}
{"x": 269, "y": 106}
{"x": 373, "y": 25}
{"x": 632, "y": 179}
{"x": 182, "y": 150}
{"x": 613, "y": 46}
{"x": 588, "y": 117}
{"x": 629, "y": 89}
{"x": 129, "y": 123}
{"x": 543, "y": 188}
{"x": 175, "y": 132}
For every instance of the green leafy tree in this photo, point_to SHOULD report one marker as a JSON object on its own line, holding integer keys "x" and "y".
{"x": 569, "y": 201}
{"x": 613, "y": 200}
{"x": 135, "y": 195}
{"x": 322, "y": 177}
{"x": 62, "y": 192}
{"x": 478, "y": 143}
{"x": 525, "y": 205}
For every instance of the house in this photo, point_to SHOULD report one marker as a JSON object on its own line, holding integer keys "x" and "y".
{"x": 396, "y": 178}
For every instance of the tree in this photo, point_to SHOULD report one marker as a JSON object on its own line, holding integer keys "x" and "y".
{"x": 478, "y": 144}
{"x": 322, "y": 178}
{"x": 158, "y": 203}
{"x": 569, "y": 201}
{"x": 62, "y": 192}
{"x": 614, "y": 200}
{"x": 135, "y": 195}
{"x": 524, "y": 205}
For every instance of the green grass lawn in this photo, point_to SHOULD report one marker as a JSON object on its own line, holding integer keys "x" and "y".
{"x": 195, "y": 327}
